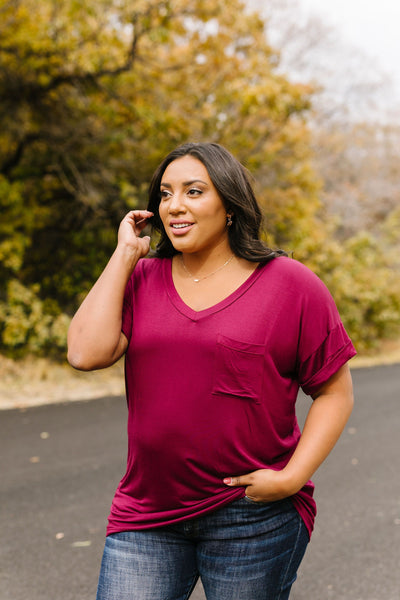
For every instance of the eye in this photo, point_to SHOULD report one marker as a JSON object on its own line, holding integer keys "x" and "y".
{"x": 164, "y": 194}
{"x": 194, "y": 192}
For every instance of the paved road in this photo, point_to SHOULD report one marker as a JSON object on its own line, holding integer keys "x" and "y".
{"x": 60, "y": 464}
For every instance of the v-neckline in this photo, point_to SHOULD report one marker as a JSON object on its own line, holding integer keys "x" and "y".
{"x": 196, "y": 315}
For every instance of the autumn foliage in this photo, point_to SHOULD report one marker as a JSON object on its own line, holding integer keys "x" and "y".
{"x": 92, "y": 96}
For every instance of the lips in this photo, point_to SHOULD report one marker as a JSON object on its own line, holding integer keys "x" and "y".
{"x": 180, "y": 227}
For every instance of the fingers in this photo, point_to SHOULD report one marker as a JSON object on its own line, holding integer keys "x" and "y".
{"x": 131, "y": 228}
{"x": 232, "y": 481}
{"x": 237, "y": 481}
{"x": 243, "y": 480}
{"x": 139, "y": 217}
{"x": 263, "y": 485}
{"x": 136, "y": 220}
{"x": 146, "y": 241}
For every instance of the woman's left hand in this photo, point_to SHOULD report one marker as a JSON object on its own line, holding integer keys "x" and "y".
{"x": 263, "y": 485}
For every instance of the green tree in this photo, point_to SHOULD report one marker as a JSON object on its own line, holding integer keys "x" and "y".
{"x": 92, "y": 95}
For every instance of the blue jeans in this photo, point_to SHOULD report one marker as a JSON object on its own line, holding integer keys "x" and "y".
{"x": 246, "y": 551}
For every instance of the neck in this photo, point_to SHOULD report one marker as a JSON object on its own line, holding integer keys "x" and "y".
{"x": 197, "y": 278}
{"x": 201, "y": 266}
{"x": 209, "y": 258}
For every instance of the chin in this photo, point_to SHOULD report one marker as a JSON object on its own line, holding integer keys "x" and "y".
{"x": 182, "y": 246}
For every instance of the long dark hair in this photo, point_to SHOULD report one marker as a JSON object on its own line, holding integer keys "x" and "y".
{"x": 231, "y": 180}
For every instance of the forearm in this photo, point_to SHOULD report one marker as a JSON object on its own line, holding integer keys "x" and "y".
{"x": 325, "y": 422}
{"x": 95, "y": 331}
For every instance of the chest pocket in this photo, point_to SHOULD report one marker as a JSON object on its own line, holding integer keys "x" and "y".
{"x": 238, "y": 368}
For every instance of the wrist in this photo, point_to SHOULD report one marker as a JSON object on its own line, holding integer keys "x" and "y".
{"x": 291, "y": 482}
{"x": 127, "y": 252}
{"x": 126, "y": 257}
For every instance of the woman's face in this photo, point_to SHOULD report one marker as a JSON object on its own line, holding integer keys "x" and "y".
{"x": 191, "y": 209}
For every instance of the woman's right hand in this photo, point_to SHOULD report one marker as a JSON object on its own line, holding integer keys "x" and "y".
{"x": 130, "y": 229}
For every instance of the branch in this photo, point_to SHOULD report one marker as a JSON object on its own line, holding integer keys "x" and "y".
{"x": 13, "y": 161}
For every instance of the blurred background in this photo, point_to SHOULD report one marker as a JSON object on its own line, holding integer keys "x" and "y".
{"x": 94, "y": 93}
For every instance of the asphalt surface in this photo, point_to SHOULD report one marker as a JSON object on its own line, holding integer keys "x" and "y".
{"x": 60, "y": 464}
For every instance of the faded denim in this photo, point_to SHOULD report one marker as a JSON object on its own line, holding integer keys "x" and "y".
{"x": 244, "y": 551}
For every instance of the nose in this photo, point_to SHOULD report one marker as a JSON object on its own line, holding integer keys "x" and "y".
{"x": 176, "y": 203}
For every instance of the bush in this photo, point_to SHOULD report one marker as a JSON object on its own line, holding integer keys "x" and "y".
{"x": 29, "y": 324}
{"x": 365, "y": 285}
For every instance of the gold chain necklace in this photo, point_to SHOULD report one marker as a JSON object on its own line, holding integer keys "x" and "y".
{"x": 197, "y": 279}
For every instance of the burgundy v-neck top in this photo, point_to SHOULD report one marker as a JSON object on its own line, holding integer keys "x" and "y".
{"x": 212, "y": 393}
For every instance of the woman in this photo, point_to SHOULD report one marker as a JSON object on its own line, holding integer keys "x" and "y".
{"x": 218, "y": 333}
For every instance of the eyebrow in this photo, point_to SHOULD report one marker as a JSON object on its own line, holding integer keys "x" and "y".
{"x": 185, "y": 183}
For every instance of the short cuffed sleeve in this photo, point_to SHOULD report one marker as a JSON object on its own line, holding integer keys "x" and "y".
{"x": 333, "y": 353}
{"x": 323, "y": 345}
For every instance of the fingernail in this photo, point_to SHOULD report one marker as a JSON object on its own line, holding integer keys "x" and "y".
{"x": 228, "y": 480}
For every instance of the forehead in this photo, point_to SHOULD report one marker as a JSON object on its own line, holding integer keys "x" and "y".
{"x": 186, "y": 168}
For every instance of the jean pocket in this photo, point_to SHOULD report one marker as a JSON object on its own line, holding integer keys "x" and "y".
{"x": 251, "y": 501}
{"x": 238, "y": 368}
{"x": 282, "y": 505}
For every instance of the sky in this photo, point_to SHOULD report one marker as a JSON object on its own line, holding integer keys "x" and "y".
{"x": 372, "y": 25}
